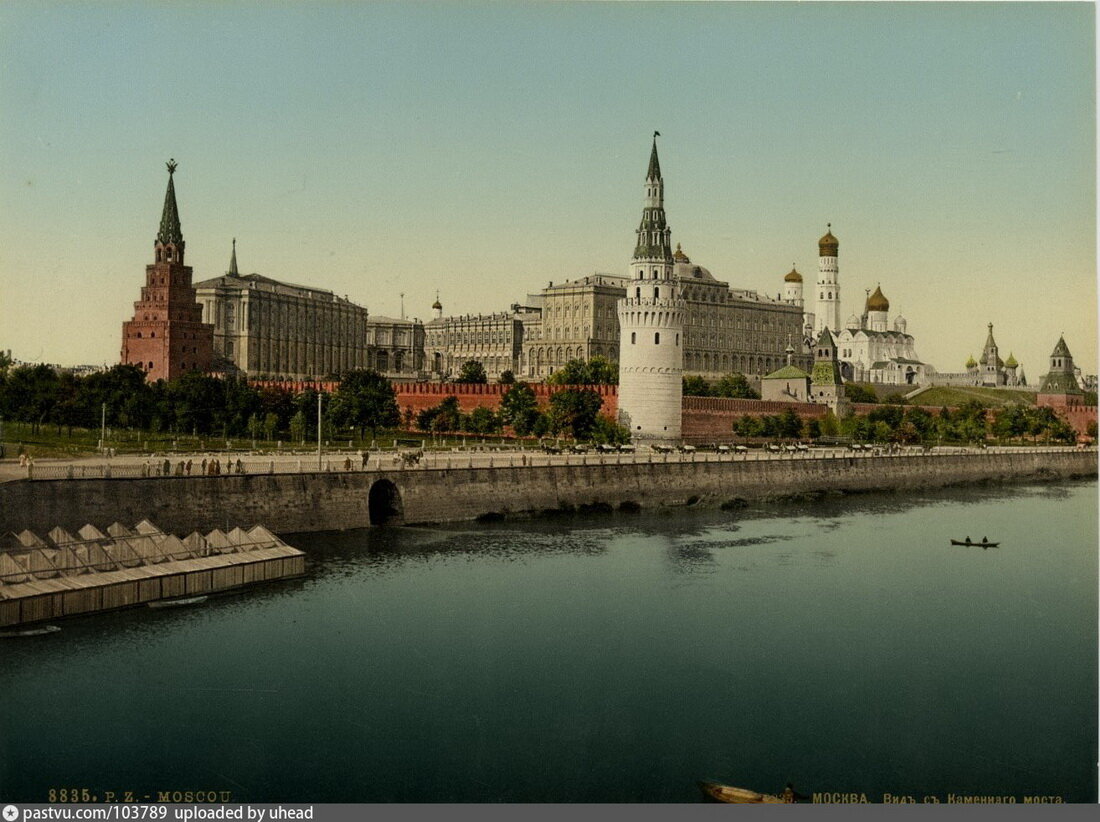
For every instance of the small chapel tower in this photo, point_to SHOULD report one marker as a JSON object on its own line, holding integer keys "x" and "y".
{"x": 651, "y": 325}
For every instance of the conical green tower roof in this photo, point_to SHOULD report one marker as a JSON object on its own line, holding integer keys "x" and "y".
{"x": 170, "y": 231}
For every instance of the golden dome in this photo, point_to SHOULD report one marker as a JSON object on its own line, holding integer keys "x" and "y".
{"x": 828, "y": 245}
{"x": 878, "y": 302}
{"x": 680, "y": 256}
{"x": 793, "y": 276}
{"x": 437, "y": 305}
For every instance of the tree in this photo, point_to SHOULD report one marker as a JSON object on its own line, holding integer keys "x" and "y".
{"x": 595, "y": 371}
{"x": 607, "y": 432}
{"x": 506, "y": 378}
{"x": 298, "y": 427}
{"x": 519, "y": 408}
{"x": 1090, "y": 429}
{"x": 472, "y": 371}
{"x": 444, "y": 417}
{"x": 789, "y": 424}
{"x": 734, "y": 386}
{"x": 830, "y": 425}
{"x": 812, "y": 428}
{"x": 482, "y": 421}
{"x": 365, "y": 399}
{"x": 696, "y": 387}
{"x": 574, "y": 411}
{"x": 859, "y": 393}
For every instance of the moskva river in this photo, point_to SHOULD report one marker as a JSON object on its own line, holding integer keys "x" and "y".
{"x": 842, "y": 645}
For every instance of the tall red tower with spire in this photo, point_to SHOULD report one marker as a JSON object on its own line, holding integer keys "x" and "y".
{"x": 167, "y": 336}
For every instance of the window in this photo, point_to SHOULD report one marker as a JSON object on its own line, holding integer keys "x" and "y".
{"x": 637, "y": 293}
{"x": 657, "y": 338}
{"x": 633, "y": 337}
{"x": 656, "y": 293}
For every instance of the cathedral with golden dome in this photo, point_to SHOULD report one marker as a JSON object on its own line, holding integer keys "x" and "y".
{"x": 872, "y": 349}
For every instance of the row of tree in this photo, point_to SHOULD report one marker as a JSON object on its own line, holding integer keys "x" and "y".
{"x": 572, "y": 412}
{"x": 970, "y": 422}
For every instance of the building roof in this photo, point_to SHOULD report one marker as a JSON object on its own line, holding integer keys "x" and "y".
{"x": 793, "y": 276}
{"x": 170, "y": 231}
{"x": 690, "y": 271}
{"x": 788, "y": 372}
{"x": 828, "y": 245}
{"x": 1061, "y": 349}
{"x": 679, "y": 256}
{"x": 233, "y": 272}
{"x": 878, "y": 301}
{"x": 1011, "y": 361}
{"x": 971, "y": 362}
{"x": 1060, "y": 382}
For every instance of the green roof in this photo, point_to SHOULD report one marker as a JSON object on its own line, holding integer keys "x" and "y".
{"x": 788, "y": 372}
{"x": 1059, "y": 382}
{"x": 170, "y": 231}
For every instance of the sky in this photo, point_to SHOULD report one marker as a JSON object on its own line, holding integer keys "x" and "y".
{"x": 486, "y": 149}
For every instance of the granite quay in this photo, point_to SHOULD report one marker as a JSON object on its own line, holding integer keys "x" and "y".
{"x": 415, "y": 488}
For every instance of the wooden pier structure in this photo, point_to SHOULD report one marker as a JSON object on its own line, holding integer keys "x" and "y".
{"x": 64, "y": 574}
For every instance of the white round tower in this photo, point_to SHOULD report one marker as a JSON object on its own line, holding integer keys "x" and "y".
{"x": 792, "y": 288}
{"x": 827, "y": 313}
{"x": 651, "y": 326}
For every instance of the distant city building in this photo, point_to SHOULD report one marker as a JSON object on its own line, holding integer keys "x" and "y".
{"x": 268, "y": 329}
{"x": 789, "y": 384}
{"x": 990, "y": 371}
{"x": 494, "y": 340}
{"x": 733, "y": 330}
{"x": 578, "y": 321}
{"x": 870, "y": 351}
{"x": 167, "y": 337}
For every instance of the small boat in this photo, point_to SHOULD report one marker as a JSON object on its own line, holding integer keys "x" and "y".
{"x": 738, "y": 796}
{"x": 970, "y": 544}
{"x": 39, "y": 631}
{"x": 171, "y": 603}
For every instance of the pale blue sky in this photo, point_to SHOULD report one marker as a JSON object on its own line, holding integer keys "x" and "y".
{"x": 486, "y": 149}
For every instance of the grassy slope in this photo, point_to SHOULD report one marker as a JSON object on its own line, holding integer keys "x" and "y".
{"x": 941, "y": 395}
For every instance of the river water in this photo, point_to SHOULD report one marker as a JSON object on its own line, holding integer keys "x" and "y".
{"x": 842, "y": 645}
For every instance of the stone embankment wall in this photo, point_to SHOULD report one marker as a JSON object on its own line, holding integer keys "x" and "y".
{"x": 288, "y": 503}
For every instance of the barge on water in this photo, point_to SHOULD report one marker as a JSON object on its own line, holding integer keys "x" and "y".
{"x": 63, "y": 574}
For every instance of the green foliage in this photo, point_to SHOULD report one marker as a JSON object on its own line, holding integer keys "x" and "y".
{"x": 365, "y": 399}
{"x": 596, "y": 371}
{"x": 859, "y": 393}
{"x": 482, "y": 421}
{"x": 574, "y": 411}
{"x": 519, "y": 408}
{"x": 734, "y": 386}
{"x": 607, "y": 432}
{"x": 696, "y": 387}
{"x": 472, "y": 371}
{"x": 444, "y": 417}
{"x": 1090, "y": 429}
{"x": 298, "y": 427}
{"x": 506, "y": 378}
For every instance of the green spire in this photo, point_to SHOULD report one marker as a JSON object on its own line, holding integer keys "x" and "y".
{"x": 170, "y": 231}
{"x": 654, "y": 172}
{"x": 233, "y": 261}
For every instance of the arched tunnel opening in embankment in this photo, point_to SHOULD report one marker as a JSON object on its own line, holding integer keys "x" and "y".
{"x": 384, "y": 503}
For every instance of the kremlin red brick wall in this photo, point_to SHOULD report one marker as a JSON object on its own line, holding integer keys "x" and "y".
{"x": 420, "y": 396}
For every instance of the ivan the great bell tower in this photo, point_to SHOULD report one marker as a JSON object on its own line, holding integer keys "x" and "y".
{"x": 167, "y": 337}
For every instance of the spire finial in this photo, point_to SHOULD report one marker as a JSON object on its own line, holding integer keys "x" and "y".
{"x": 172, "y": 164}
{"x": 233, "y": 260}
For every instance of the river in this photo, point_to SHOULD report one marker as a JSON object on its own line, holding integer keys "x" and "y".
{"x": 842, "y": 645}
